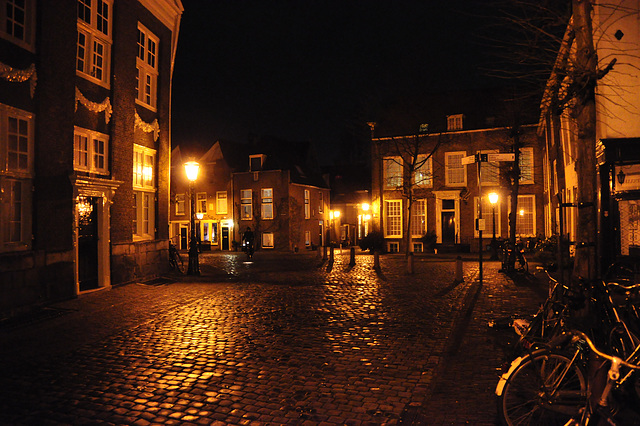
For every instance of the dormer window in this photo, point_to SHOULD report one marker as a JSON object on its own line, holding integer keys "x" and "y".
{"x": 256, "y": 161}
{"x": 454, "y": 122}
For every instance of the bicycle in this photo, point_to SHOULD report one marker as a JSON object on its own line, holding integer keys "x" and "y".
{"x": 175, "y": 260}
{"x": 548, "y": 386}
{"x": 517, "y": 253}
{"x": 603, "y": 407}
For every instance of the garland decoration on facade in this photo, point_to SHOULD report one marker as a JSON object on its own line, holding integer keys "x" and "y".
{"x": 19, "y": 76}
{"x": 94, "y": 106}
{"x": 148, "y": 127}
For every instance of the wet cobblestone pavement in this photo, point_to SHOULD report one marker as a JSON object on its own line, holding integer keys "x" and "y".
{"x": 280, "y": 340}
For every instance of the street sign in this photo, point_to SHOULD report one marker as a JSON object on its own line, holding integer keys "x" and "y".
{"x": 469, "y": 159}
{"x": 501, "y": 157}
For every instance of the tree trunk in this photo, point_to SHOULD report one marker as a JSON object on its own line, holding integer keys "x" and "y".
{"x": 585, "y": 115}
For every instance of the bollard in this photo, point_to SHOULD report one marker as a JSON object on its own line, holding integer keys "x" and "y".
{"x": 331, "y": 254}
{"x": 459, "y": 277}
{"x": 410, "y": 263}
{"x": 352, "y": 260}
{"x": 324, "y": 253}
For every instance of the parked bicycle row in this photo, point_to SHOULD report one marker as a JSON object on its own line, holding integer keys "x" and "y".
{"x": 577, "y": 360}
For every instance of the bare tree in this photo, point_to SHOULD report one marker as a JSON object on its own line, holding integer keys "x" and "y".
{"x": 412, "y": 155}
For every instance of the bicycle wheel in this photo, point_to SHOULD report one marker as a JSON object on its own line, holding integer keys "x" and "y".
{"x": 545, "y": 388}
{"x": 176, "y": 262}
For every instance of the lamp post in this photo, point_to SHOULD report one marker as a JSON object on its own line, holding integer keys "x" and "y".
{"x": 192, "y": 168}
{"x": 493, "y": 199}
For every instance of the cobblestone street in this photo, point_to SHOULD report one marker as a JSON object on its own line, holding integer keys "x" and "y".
{"x": 280, "y": 340}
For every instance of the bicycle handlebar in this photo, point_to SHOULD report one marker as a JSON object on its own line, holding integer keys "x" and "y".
{"x": 616, "y": 361}
{"x": 634, "y": 287}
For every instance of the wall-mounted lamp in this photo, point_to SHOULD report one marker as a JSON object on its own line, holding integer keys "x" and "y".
{"x": 621, "y": 176}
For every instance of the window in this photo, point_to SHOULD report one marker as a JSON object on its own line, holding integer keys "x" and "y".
{"x": 93, "y": 55}
{"x": 417, "y": 247}
{"x": 392, "y": 172}
{"x": 180, "y": 199}
{"x": 267, "y": 203}
{"x": 526, "y": 216}
{"x": 423, "y": 172}
{"x": 490, "y": 170}
{"x": 320, "y": 202}
{"x": 455, "y": 172}
{"x": 17, "y": 22}
{"x": 393, "y": 222}
{"x": 16, "y": 178}
{"x": 393, "y": 247}
{"x": 246, "y": 204}
{"x": 221, "y": 202}
{"x": 144, "y": 160}
{"x": 90, "y": 151}
{"x": 267, "y": 240}
{"x": 307, "y": 238}
{"x": 307, "y": 204}
{"x": 454, "y": 122}
{"x": 147, "y": 67}
{"x": 201, "y": 202}
{"x": 256, "y": 161}
{"x": 487, "y": 215}
{"x": 419, "y": 218}
{"x": 526, "y": 165}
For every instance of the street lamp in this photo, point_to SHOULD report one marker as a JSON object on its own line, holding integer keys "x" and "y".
{"x": 192, "y": 168}
{"x": 493, "y": 199}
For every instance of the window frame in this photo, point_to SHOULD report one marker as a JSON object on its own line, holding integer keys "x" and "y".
{"x": 416, "y": 214}
{"x": 268, "y": 237}
{"x": 201, "y": 202}
{"x": 307, "y": 204}
{"x": 487, "y": 215}
{"x": 16, "y": 177}
{"x": 531, "y": 215}
{"x": 267, "y": 203}
{"x": 147, "y": 69}
{"x": 222, "y": 200}
{"x": 389, "y": 163}
{"x": 529, "y": 178}
{"x": 91, "y": 153}
{"x": 448, "y": 168}
{"x": 27, "y": 41}
{"x": 246, "y": 206}
{"x": 425, "y": 170}
{"x": 455, "y": 122}
{"x": 398, "y": 219}
{"x": 144, "y": 192}
{"x": 181, "y": 204}
{"x": 88, "y": 56}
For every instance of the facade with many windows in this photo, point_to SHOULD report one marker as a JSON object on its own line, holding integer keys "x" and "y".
{"x": 84, "y": 145}
{"x": 449, "y": 190}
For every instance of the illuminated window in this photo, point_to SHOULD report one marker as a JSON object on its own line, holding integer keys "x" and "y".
{"x": 393, "y": 220}
{"x": 423, "y": 174}
{"x": 17, "y": 22}
{"x": 419, "y": 218}
{"x": 144, "y": 191}
{"x": 526, "y": 216}
{"x": 93, "y": 53}
{"x": 147, "y": 67}
{"x": 307, "y": 204}
{"x": 267, "y": 203}
{"x": 246, "y": 204}
{"x": 392, "y": 172}
{"x": 90, "y": 151}
{"x": 221, "y": 202}
{"x": 307, "y": 238}
{"x": 201, "y": 202}
{"x": 455, "y": 172}
{"x": 267, "y": 240}
{"x": 16, "y": 178}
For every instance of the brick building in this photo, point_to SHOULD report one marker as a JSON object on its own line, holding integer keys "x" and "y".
{"x": 84, "y": 145}
{"x": 445, "y": 190}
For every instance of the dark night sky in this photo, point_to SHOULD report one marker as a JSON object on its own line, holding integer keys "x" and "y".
{"x": 302, "y": 70}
